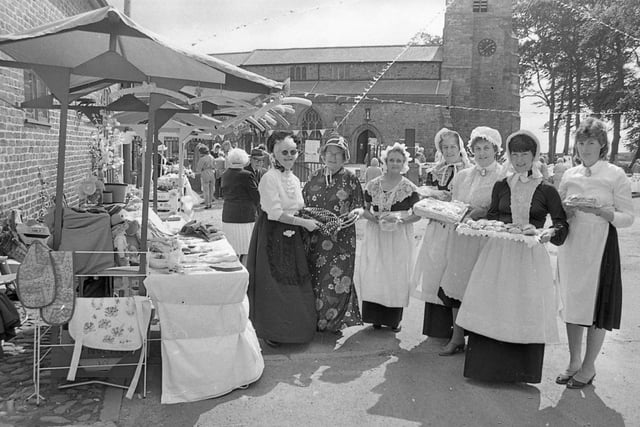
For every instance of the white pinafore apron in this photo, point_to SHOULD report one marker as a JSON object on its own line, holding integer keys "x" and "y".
{"x": 579, "y": 262}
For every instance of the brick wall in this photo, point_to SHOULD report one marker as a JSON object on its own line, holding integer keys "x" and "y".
{"x": 24, "y": 146}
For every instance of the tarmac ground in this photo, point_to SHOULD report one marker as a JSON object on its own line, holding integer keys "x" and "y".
{"x": 365, "y": 377}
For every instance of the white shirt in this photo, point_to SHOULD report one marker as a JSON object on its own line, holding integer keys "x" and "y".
{"x": 280, "y": 192}
{"x": 469, "y": 186}
{"x": 608, "y": 184}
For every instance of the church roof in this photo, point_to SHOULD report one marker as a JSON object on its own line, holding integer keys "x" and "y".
{"x": 431, "y": 91}
{"x": 319, "y": 55}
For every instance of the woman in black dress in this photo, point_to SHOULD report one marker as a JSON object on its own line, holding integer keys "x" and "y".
{"x": 431, "y": 261}
{"x": 509, "y": 307}
{"x": 240, "y": 202}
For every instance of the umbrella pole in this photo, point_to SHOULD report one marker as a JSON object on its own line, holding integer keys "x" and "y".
{"x": 63, "y": 96}
{"x": 154, "y": 103}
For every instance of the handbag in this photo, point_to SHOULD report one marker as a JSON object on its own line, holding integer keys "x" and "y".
{"x": 61, "y": 309}
{"x": 35, "y": 281}
{"x": 117, "y": 324}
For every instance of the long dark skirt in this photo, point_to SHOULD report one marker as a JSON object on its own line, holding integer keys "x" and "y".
{"x": 609, "y": 299}
{"x": 487, "y": 359}
{"x": 281, "y": 299}
{"x": 438, "y": 321}
{"x": 381, "y": 315}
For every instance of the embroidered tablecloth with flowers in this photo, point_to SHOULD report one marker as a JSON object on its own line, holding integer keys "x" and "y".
{"x": 332, "y": 258}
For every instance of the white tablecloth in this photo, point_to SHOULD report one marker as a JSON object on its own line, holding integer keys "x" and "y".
{"x": 209, "y": 346}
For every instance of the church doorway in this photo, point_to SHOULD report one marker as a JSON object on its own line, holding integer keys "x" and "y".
{"x": 363, "y": 146}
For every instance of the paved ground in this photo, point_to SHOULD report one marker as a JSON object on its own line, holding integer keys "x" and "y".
{"x": 369, "y": 377}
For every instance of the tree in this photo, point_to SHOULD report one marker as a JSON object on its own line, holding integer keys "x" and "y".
{"x": 581, "y": 55}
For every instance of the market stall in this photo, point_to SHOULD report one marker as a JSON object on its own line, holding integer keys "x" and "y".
{"x": 94, "y": 50}
{"x": 209, "y": 346}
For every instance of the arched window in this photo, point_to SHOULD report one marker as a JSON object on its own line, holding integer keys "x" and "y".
{"x": 312, "y": 122}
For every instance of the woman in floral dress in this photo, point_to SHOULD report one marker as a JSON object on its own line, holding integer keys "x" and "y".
{"x": 332, "y": 258}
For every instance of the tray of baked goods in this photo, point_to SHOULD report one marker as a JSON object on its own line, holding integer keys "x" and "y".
{"x": 528, "y": 233}
{"x": 578, "y": 201}
{"x": 449, "y": 212}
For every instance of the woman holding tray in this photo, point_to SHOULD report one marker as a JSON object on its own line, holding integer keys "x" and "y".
{"x": 383, "y": 271}
{"x": 472, "y": 186}
{"x": 589, "y": 262}
{"x": 451, "y": 158}
{"x": 509, "y": 306}
{"x": 282, "y": 304}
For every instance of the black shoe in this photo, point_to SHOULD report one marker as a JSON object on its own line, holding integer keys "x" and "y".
{"x": 396, "y": 328}
{"x": 272, "y": 343}
{"x": 377, "y": 326}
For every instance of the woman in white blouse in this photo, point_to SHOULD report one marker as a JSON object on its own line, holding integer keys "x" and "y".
{"x": 472, "y": 186}
{"x": 281, "y": 298}
{"x": 589, "y": 262}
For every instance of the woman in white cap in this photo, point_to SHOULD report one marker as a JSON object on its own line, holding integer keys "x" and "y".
{"x": 509, "y": 308}
{"x": 384, "y": 272}
{"x": 240, "y": 202}
{"x": 472, "y": 186}
{"x": 451, "y": 158}
{"x": 590, "y": 280}
{"x": 332, "y": 257}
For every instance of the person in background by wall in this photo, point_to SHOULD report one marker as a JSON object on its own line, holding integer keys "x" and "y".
{"x": 240, "y": 202}
{"x": 373, "y": 170}
{"x": 558, "y": 170}
{"x": 206, "y": 169}
{"x": 256, "y": 160}
{"x": 266, "y": 159}
{"x": 219, "y": 168}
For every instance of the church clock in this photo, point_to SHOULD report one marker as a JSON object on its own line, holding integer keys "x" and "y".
{"x": 486, "y": 47}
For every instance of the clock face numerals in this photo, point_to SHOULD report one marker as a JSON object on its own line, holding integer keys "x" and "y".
{"x": 486, "y": 47}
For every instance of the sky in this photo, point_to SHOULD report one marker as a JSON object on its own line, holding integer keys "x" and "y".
{"x": 220, "y": 26}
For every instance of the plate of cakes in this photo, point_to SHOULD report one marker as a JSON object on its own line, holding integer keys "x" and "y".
{"x": 448, "y": 212}
{"x": 578, "y": 201}
{"x": 526, "y": 233}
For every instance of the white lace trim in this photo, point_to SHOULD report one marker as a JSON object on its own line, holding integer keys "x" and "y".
{"x": 385, "y": 199}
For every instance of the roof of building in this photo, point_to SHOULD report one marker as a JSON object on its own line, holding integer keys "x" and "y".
{"x": 319, "y": 55}
{"x": 430, "y": 91}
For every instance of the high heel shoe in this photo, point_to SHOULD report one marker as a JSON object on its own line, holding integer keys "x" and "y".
{"x": 272, "y": 343}
{"x": 564, "y": 378}
{"x": 450, "y": 350}
{"x": 575, "y": 384}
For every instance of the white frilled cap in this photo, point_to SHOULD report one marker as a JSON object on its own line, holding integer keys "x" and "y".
{"x": 438, "y": 139}
{"x": 487, "y": 133}
{"x": 396, "y": 147}
{"x": 536, "y": 157}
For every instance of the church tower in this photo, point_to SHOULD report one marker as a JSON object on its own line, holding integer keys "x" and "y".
{"x": 480, "y": 58}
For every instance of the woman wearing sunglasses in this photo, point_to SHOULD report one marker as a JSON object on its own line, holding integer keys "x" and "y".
{"x": 282, "y": 303}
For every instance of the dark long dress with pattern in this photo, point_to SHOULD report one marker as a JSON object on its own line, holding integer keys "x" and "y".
{"x": 332, "y": 259}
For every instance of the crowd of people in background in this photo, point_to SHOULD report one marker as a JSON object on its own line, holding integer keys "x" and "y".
{"x": 495, "y": 300}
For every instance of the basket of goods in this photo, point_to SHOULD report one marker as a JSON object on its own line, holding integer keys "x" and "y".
{"x": 578, "y": 201}
{"x": 448, "y": 212}
{"x": 527, "y": 233}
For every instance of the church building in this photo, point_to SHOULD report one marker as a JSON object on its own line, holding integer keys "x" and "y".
{"x": 470, "y": 80}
